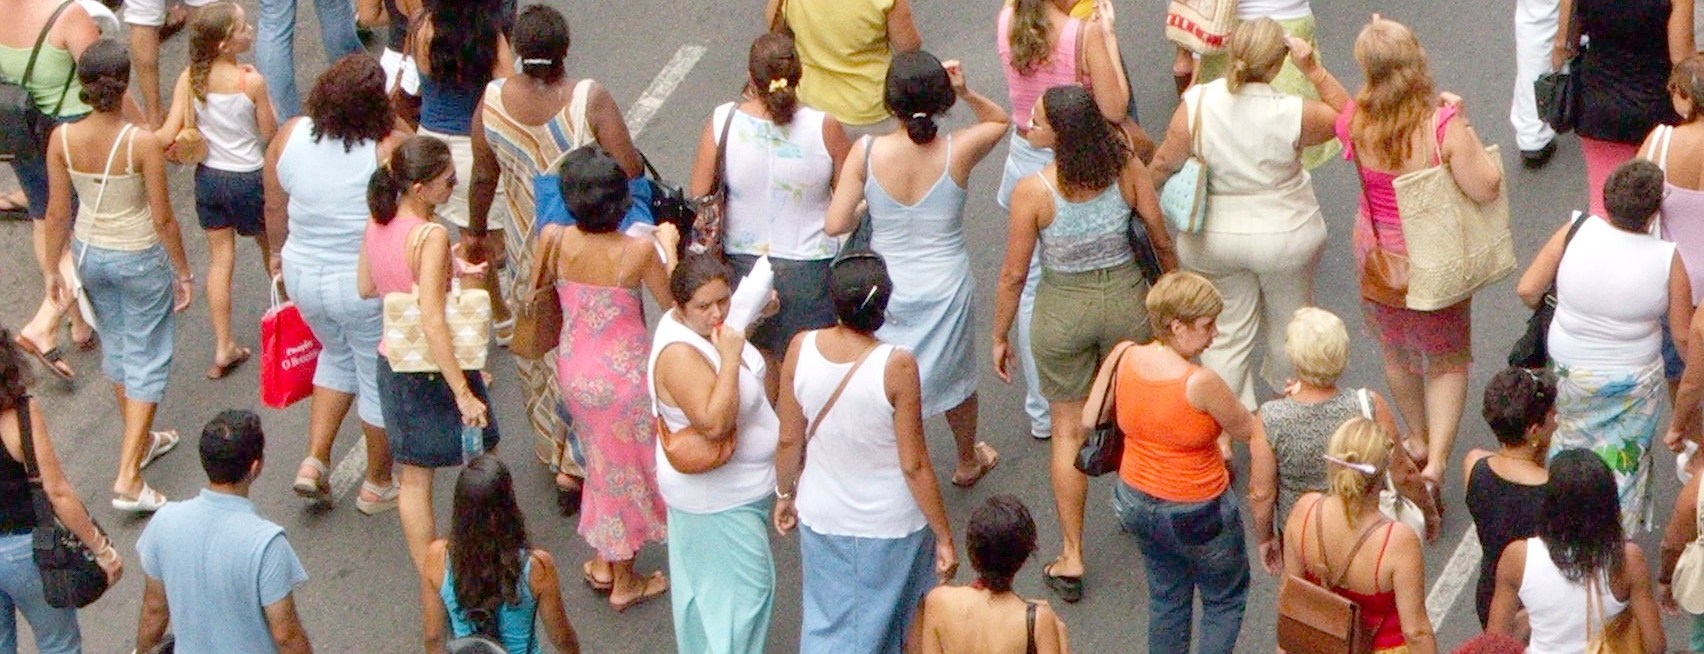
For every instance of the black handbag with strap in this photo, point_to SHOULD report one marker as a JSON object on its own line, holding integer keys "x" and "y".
{"x": 24, "y": 127}
{"x": 1103, "y": 447}
{"x": 1531, "y": 350}
{"x": 70, "y": 575}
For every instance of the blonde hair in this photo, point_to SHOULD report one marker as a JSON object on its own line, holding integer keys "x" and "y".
{"x": 1317, "y": 344}
{"x": 209, "y": 29}
{"x": 1030, "y": 46}
{"x": 1257, "y": 51}
{"x": 1181, "y": 295}
{"x": 1358, "y": 440}
{"x": 1398, "y": 95}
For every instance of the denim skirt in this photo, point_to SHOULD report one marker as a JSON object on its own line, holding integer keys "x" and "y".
{"x": 422, "y": 423}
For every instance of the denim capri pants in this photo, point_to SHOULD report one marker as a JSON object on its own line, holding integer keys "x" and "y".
{"x": 348, "y": 327}
{"x": 20, "y": 592}
{"x": 132, "y": 296}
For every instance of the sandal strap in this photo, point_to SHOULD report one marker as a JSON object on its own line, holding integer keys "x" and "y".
{"x": 318, "y": 465}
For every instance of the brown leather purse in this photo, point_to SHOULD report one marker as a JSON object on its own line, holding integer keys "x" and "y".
{"x": 1384, "y": 274}
{"x": 538, "y": 312}
{"x": 1315, "y": 619}
{"x": 690, "y": 452}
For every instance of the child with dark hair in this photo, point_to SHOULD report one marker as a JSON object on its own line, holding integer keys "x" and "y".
{"x": 987, "y": 615}
{"x": 1505, "y": 487}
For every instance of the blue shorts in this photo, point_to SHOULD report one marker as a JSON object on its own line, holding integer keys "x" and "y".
{"x": 228, "y": 200}
{"x": 1673, "y": 363}
{"x": 32, "y": 177}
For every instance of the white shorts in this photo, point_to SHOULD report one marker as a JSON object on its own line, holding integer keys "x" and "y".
{"x": 397, "y": 65}
{"x": 152, "y": 13}
{"x": 104, "y": 18}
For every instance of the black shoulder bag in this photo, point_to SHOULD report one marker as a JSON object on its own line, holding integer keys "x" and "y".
{"x": 1103, "y": 448}
{"x": 70, "y": 576}
{"x": 23, "y": 126}
{"x": 1531, "y": 351}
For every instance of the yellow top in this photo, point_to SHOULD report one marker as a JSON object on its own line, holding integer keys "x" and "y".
{"x": 1084, "y": 9}
{"x": 843, "y": 47}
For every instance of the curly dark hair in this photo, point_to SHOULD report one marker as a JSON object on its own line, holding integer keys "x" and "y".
{"x": 349, "y": 103}
{"x": 1517, "y": 399}
{"x": 488, "y": 538}
{"x": 1000, "y": 538}
{"x": 14, "y": 373}
{"x": 1633, "y": 194}
{"x": 1581, "y": 512}
{"x": 1091, "y": 152}
{"x": 463, "y": 48}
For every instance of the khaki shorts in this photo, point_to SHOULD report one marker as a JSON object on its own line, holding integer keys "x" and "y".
{"x": 1078, "y": 318}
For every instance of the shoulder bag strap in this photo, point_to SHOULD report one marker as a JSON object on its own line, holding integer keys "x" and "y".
{"x": 778, "y": 21}
{"x": 35, "y": 51}
{"x": 106, "y": 170}
{"x": 1108, "y": 401}
{"x": 1082, "y": 54}
{"x": 1366, "y": 399}
{"x": 720, "y": 181}
{"x": 552, "y": 245}
{"x": 413, "y": 250}
{"x": 811, "y": 433}
{"x": 1195, "y": 129}
{"x": 43, "y": 511}
{"x": 1029, "y": 628}
{"x": 1578, "y": 219}
{"x": 1350, "y": 562}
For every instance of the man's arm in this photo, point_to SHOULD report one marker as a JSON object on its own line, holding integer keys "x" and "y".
{"x": 286, "y": 627}
{"x": 155, "y": 615}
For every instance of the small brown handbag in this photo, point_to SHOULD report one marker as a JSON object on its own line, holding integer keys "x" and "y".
{"x": 1384, "y": 274}
{"x": 690, "y": 452}
{"x": 538, "y": 312}
{"x": 1314, "y": 619}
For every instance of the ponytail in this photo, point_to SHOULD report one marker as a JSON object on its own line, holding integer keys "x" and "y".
{"x": 382, "y": 194}
{"x": 780, "y": 100}
{"x": 775, "y": 73}
{"x": 212, "y": 26}
{"x": 418, "y": 160}
{"x": 916, "y": 91}
{"x": 1358, "y": 457}
{"x": 920, "y": 127}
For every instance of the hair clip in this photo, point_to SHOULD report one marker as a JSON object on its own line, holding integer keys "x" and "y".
{"x": 778, "y": 84}
{"x": 869, "y": 296}
{"x": 537, "y": 62}
{"x": 1366, "y": 469}
{"x": 919, "y": 115}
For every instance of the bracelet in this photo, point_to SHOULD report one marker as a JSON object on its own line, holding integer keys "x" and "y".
{"x": 781, "y": 495}
{"x": 187, "y": 278}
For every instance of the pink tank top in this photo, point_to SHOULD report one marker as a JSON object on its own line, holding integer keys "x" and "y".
{"x": 1378, "y": 203}
{"x": 1059, "y": 69}
{"x": 387, "y": 255}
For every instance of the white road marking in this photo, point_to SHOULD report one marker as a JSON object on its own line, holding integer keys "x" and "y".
{"x": 1463, "y": 564}
{"x": 645, "y": 108}
{"x": 353, "y": 466}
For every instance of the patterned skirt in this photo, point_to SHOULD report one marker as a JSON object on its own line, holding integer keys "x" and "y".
{"x": 1614, "y": 414}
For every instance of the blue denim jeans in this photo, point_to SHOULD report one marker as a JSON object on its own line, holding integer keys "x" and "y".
{"x": 275, "y": 53}
{"x": 1188, "y": 546}
{"x": 20, "y": 592}
{"x": 348, "y": 327}
{"x": 132, "y": 294}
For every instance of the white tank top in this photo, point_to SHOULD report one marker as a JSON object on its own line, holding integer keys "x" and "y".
{"x": 749, "y": 475}
{"x": 1611, "y": 296}
{"x": 852, "y": 484}
{"x": 780, "y": 179}
{"x": 1556, "y": 607}
{"x": 113, "y": 212}
{"x": 227, "y": 121}
{"x": 1251, "y": 143}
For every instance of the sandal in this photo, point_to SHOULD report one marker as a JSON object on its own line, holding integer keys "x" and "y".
{"x": 314, "y": 488}
{"x": 385, "y": 497}
{"x": 163, "y": 442}
{"x": 568, "y": 499}
{"x": 176, "y": 18}
{"x": 653, "y": 586}
{"x": 599, "y": 586}
{"x": 11, "y": 208}
{"x": 147, "y": 501}
{"x": 90, "y": 342}
{"x": 53, "y": 359}
{"x": 503, "y": 332}
{"x": 1068, "y": 588}
{"x": 986, "y": 459}
{"x": 220, "y": 370}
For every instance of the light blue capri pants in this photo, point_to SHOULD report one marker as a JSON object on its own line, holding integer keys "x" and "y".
{"x": 348, "y": 328}
{"x": 132, "y": 297}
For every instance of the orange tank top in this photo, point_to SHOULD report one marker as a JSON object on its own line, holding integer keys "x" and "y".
{"x": 1171, "y": 449}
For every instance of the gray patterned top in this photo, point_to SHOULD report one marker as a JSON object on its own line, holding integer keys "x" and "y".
{"x": 1299, "y": 433}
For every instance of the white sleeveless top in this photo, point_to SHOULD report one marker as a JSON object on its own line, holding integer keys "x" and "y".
{"x": 1556, "y": 607}
{"x": 749, "y": 475}
{"x": 1611, "y": 296}
{"x": 852, "y": 484}
{"x": 113, "y": 212}
{"x": 1251, "y": 141}
{"x": 780, "y": 179}
{"x": 227, "y": 121}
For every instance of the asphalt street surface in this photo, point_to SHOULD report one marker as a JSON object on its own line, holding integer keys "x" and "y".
{"x": 362, "y": 595}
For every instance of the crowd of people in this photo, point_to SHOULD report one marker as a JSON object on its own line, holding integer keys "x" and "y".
{"x": 832, "y": 185}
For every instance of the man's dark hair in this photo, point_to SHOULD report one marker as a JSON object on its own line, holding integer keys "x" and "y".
{"x": 230, "y": 444}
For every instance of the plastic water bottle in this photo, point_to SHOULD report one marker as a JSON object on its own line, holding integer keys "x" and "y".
{"x": 472, "y": 443}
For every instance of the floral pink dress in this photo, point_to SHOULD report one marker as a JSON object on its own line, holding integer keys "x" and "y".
{"x": 600, "y": 365}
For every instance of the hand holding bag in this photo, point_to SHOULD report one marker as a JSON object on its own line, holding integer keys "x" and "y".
{"x": 467, "y": 312}
{"x": 1183, "y": 198}
{"x": 70, "y": 575}
{"x": 1313, "y": 618}
{"x": 289, "y": 354}
{"x": 1532, "y": 350}
{"x": 538, "y": 310}
{"x": 1688, "y": 582}
{"x": 1391, "y": 502}
{"x": 1103, "y": 448}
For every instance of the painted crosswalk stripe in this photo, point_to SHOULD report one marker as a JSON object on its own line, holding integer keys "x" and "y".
{"x": 1463, "y": 563}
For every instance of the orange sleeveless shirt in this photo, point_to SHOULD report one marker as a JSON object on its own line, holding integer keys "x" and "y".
{"x": 1171, "y": 449}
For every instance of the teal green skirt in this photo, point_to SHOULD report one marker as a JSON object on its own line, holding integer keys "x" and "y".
{"x": 722, "y": 579}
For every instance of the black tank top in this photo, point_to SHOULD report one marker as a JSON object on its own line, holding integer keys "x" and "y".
{"x": 1503, "y": 512}
{"x": 17, "y": 514}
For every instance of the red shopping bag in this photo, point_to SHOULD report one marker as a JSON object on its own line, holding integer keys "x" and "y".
{"x": 289, "y": 354}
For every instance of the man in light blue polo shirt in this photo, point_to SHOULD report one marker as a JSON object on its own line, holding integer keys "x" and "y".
{"x": 222, "y": 573}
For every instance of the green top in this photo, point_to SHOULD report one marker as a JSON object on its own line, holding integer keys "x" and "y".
{"x": 51, "y": 69}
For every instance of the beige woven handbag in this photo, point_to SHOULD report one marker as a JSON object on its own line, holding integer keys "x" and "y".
{"x": 1455, "y": 246}
{"x": 468, "y": 312}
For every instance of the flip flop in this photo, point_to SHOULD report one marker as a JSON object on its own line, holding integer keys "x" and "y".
{"x": 10, "y": 208}
{"x": 387, "y": 498}
{"x": 599, "y": 586}
{"x": 314, "y": 488}
{"x": 649, "y": 591}
{"x": 986, "y": 458}
{"x": 176, "y": 18}
{"x": 53, "y": 359}
{"x": 147, "y": 501}
{"x": 1068, "y": 588}
{"x": 86, "y": 344}
{"x": 163, "y": 442}
{"x": 221, "y": 370}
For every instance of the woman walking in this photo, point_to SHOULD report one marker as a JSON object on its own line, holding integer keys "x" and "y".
{"x": 710, "y": 380}
{"x": 782, "y": 159}
{"x": 1396, "y": 125}
{"x": 425, "y": 412}
{"x": 1076, "y": 214}
{"x": 867, "y": 498}
{"x": 987, "y": 615}
{"x": 917, "y": 224}
{"x": 1505, "y": 488}
{"x": 597, "y": 272}
{"x": 127, "y": 247}
{"x": 1264, "y": 231}
{"x": 317, "y": 169}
